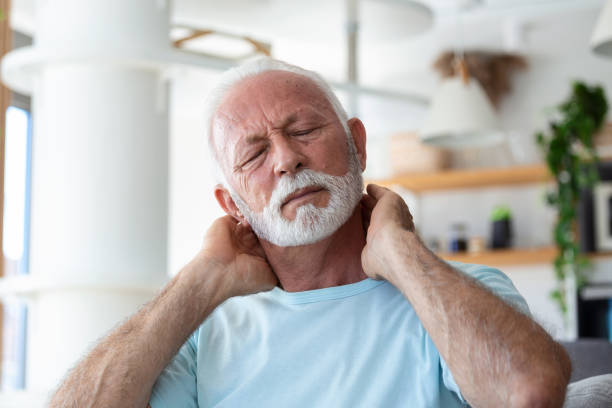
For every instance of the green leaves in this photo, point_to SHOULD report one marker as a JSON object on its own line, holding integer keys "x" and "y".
{"x": 572, "y": 159}
{"x": 586, "y": 104}
{"x": 558, "y": 296}
{"x": 501, "y": 212}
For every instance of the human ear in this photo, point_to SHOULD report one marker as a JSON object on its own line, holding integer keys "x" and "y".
{"x": 227, "y": 203}
{"x": 358, "y": 133}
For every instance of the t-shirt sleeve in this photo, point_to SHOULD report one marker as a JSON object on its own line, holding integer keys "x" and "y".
{"x": 177, "y": 386}
{"x": 498, "y": 283}
{"x": 449, "y": 382}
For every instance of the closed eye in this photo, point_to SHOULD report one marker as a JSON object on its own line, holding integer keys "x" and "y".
{"x": 256, "y": 155}
{"x": 303, "y": 132}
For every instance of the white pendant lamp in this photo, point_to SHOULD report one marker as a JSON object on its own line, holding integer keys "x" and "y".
{"x": 601, "y": 41}
{"x": 461, "y": 115}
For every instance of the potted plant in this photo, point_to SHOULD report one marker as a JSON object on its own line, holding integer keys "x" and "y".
{"x": 571, "y": 158}
{"x": 501, "y": 227}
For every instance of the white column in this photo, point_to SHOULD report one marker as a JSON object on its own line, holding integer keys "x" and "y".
{"x": 100, "y": 173}
{"x": 99, "y": 207}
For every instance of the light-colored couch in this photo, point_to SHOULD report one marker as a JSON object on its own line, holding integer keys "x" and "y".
{"x": 591, "y": 381}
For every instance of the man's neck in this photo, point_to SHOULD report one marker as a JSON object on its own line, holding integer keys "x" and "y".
{"x": 333, "y": 261}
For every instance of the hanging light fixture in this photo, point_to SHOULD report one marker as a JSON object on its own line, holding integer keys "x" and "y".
{"x": 601, "y": 40}
{"x": 461, "y": 115}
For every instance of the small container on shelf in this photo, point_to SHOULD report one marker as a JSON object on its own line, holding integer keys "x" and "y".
{"x": 501, "y": 227}
{"x": 476, "y": 245}
{"x": 457, "y": 241}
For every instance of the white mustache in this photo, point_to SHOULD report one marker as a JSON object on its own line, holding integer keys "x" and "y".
{"x": 289, "y": 185}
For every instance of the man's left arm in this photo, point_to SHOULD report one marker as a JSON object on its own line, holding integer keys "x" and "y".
{"x": 498, "y": 356}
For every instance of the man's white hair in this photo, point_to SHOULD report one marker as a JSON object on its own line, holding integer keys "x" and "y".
{"x": 251, "y": 68}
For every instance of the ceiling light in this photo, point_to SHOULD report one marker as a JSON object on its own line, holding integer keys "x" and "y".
{"x": 461, "y": 115}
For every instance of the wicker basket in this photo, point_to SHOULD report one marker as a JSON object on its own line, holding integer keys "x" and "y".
{"x": 410, "y": 155}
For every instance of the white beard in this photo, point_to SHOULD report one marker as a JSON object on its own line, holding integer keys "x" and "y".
{"x": 311, "y": 224}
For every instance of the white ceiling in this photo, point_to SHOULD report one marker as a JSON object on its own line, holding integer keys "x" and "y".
{"x": 312, "y": 21}
{"x": 381, "y": 20}
{"x": 391, "y": 52}
{"x": 313, "y": 34}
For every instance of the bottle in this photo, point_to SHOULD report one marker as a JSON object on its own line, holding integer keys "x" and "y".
{"x": 458, "y": 240}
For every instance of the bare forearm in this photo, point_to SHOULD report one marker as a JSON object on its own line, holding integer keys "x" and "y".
{"x": 122, "y": 368}
{"x": 498, "y": 356}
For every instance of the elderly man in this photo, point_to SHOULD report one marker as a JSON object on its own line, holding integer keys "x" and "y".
{"x": 311, "y": 294}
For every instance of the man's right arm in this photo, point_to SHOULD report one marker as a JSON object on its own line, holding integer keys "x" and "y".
{"x": 121, "y": 370}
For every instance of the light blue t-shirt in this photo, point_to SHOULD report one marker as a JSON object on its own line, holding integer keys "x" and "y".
{"x": 356, "y": 345}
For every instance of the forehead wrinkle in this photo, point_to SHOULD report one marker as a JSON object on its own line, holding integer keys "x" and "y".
{"x": 225, "y": 121}
{"x": 234, "y": 111}
{"x": 295, "y": 87}
{"x": 292, "y": 86}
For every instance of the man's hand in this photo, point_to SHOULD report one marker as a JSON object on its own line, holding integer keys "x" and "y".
{"x": 385, "y": 214}
{"x": 498, "y": 356}
{"x": 235, "y": 248}
{"x": 122, "y": 368}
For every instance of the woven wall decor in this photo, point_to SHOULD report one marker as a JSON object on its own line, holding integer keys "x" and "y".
{"x": 493, "y": 70}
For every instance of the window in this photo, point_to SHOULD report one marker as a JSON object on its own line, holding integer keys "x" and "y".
{"x": 15, "y": 241}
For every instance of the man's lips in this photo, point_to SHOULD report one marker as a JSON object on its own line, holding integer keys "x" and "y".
{"x": 301, "y": 193}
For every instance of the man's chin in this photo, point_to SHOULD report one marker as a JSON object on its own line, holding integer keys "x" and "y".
{"x": 296, "y": 238}
{"x": 305, "y": 213}
{"x": 299, "y": 243}
{"x": 310, "y": 225}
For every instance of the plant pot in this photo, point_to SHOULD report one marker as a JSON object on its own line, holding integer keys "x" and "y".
{"x": 501, "y": 234}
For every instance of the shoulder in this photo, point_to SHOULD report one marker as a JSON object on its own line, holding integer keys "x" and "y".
{"x": 481, "y": 273}
{"x": 496, "y": 281}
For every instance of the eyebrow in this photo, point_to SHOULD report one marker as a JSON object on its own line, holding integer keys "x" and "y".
{"x": 253, "y": 139}
{"x": 292, "y": 118}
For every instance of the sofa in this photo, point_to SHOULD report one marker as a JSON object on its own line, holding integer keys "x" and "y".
{"x": 591, "y": 381}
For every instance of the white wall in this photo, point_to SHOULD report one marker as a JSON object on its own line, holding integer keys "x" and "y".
{"x": 545, "y": 85}
{"x": 192, "y": 204}
{"x": 535, "y": 283}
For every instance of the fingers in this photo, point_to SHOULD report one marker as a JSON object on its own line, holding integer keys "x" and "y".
{"x": 227, "y": 220}
{"x": 368, "y": 201}
{"x": 244, "y": 231}
{"x": 366, "y": 215}
{"x": 376, "y": 191}
{"x": 246, "y": 240}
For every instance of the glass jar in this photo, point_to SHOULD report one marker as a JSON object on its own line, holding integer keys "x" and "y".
{"x": 457, "y": 241}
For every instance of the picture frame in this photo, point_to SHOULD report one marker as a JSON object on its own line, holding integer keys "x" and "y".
{"x": 602, "y": 203}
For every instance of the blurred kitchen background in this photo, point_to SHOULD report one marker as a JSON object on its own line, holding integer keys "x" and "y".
{"x": 107, "y": 190}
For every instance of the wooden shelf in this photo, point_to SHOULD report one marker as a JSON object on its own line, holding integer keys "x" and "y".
{"x": 472, "y": 178}
{"x": 514, "y": 256}
{"x": 479, "y": 178}
{"x": 600, "y": 255}
{"x": 505, "y": 257}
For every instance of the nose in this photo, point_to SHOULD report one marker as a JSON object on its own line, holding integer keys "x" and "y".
{"x": 288, "y": 159}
